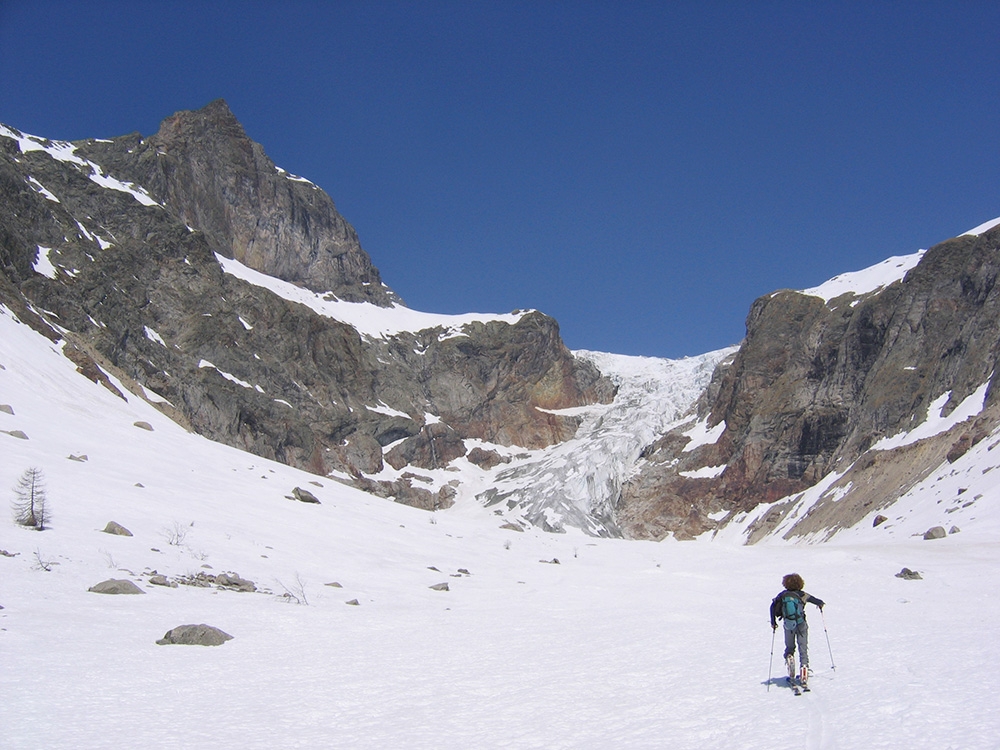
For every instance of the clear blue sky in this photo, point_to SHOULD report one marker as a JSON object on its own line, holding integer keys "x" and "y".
{"x": 640, "y": 171}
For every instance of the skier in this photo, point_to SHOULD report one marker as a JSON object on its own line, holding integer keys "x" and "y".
{"x": 789, "y": 606}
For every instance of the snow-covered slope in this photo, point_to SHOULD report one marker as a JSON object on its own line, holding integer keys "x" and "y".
{"x": 877, "y": 277}
{"x": 869, "y": 280}
{"x": 554, "y": 641}
{"x": 366, "y": 318}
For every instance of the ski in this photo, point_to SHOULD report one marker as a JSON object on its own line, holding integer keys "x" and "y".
{"x": 794, "y": 687}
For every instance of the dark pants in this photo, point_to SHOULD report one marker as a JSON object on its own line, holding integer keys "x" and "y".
{"x": 799, "y": 634}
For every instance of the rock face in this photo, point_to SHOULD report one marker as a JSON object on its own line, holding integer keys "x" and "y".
{"x": 816, "y": 384}
{"x": 205, "y": 169}
{"x": 120, "y": 241}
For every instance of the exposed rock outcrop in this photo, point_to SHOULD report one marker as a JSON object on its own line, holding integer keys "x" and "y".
{"x": 816, "y": 384}
{"x": 202, "y": 165}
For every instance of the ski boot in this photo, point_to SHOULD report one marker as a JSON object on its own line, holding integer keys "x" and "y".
{"x": 790, "y": 664}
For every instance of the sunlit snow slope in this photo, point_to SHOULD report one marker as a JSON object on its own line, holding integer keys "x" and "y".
{"x": 541, "y": 641}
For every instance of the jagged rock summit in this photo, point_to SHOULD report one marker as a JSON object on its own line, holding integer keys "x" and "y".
{"x": 206, "y": 170}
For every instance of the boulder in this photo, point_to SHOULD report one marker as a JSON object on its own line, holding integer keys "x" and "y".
{"x": 304, "y": 496}
{"x": 161, "y": 580}
{"x": 117, "y": 529}
{"x": 116, "y": 586}
{"x": 234, "y": 581}
{"x": 909, "y": 575}
{"x": 937, "y": 532}
{"x": 194, "y": 635}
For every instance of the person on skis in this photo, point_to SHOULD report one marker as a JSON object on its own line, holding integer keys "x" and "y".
{"x": 789, "y": 606}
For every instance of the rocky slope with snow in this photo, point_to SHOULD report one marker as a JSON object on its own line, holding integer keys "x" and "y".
{"x": 823, "y": 391}
{"x": 234, "y": 296}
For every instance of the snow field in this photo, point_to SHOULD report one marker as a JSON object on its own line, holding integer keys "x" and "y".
{"x": 621, "y": 644}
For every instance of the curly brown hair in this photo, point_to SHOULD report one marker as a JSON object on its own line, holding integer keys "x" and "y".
{"x": 793, "y": 582}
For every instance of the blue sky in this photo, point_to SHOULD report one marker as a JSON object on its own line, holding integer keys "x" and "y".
{"x": 639, "y": 171}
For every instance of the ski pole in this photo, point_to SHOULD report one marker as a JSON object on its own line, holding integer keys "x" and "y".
{"x": 832, "y": 665}
{"x": 770, "y": 663}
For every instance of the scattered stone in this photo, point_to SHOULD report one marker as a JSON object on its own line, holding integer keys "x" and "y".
{"x": 936, "y": 532}
{"x": 553, "y": 561}
{"x": 879, "y": 520}
{"x": 954, "y": 530}
{"x": 512, "y": 527}
{"x": 143, "y": 426}
{"x": 354, "y": 603}
{"x": 116, "y": 586}
{"x": 486, "y": 459}
{"x": 960, "y": 448}
{"x": 233, "y": 581}
{"x": 162, "y": 580}
{"x": 140, "y": 485}
{"x": 5, "y": 553}
{"x": 909, "y": 575}
{"x": 7, "y": 409}
{"x": 194, "y": 635}
{"x": 117, "y": 529}
{"x": 440, "y": 587}
{"x": 333, "y": 584}
{"x": 431, "y": 567}
{"x": 201, "y": 580}
{"x": 16, "y": 433}
{"x": 82, "y": 458}
{"x": 304, "y": 496}
{"x": 464, "y": 572}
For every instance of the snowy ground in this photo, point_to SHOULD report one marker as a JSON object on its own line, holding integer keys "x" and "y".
{"x": 621, "y": 644}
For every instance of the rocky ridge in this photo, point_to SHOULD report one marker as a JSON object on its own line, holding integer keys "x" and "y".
{"x": 124, "y": 250}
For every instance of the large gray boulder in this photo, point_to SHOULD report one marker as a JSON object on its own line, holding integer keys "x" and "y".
{"x": 117, "y": 529}
{"x": 194, "y": 635}
{"x": 116, "y": 586}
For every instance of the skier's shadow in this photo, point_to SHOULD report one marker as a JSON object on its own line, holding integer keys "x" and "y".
{"x": 781, "y": 682}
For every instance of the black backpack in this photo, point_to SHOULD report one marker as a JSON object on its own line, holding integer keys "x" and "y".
{"x": 792, "y": 609}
